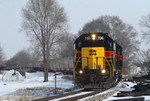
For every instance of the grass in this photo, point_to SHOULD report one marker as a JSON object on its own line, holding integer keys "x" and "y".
{"x": 36, "y": 91}
{"x": 68, "y": 77}
{"x": 41, "y": 91}
{"x": 18, "y": 98}
{"x": 29, "y": 94}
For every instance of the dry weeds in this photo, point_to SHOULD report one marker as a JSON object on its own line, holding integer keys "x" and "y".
{"x": 18, "y": 98}
{"x": 68, "y": 77}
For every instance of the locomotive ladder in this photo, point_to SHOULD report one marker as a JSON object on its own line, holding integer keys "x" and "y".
{"x": 110, "y": 66}
{"x": 76, "y": 62}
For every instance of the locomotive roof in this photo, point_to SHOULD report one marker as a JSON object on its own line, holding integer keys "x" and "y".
{"x": 81, "y": 37}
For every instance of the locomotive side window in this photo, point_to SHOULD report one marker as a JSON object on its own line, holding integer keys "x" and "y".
{"x": 119, "y": 50}
{"x": 109, "y": 45}
{"x": 80, "y": 44}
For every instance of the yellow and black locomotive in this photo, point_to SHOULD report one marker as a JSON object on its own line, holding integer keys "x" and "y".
{"x": 97, "y": 61}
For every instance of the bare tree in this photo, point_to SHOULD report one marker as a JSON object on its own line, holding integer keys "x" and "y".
{"x": 23, "y": 59}
{"x": 44, "y": 21}
{"x": 122, "y": 33}
{"x": 66, "y": 47}
{"x": 145, "y": 23}
{"x": 62, "y": 58}
{"x": 143, "y": 61}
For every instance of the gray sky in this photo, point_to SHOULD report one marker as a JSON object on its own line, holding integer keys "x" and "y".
{"x": 78, "y": 11}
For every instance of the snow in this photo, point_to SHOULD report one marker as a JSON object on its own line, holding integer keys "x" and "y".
{"x": 72, "y": 96}
{"x": 12, "y": 75}
{"x": 125, "y": 88}
{"x": 33, "y": 80}
{"x": 103, "y": 93}
{"x": 115, "y": 98}
{"x": 122, "y": 86}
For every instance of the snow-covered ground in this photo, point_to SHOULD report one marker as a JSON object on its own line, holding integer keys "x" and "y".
{"x": 124, "y": 86}
{"x": 109, "y": 95}
{"x": 33, "y": 85}
{"x": 35, "y": 81}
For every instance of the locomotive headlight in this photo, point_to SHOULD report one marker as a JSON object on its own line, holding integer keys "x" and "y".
{"x": 93, "y": 36}
{"x": 103, "y": 71}
{"x": 80, "y": 71}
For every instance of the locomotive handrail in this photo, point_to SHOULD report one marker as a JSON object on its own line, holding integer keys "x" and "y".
{"x": 107, "y": 62}
{"x": 76, "y": 58}
{"x": 111, "y": 68}
{"x": 75, "y": 53}
{"x": 75, "y": 65}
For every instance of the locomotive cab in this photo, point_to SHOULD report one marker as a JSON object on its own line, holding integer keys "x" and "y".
{"x": 95, "y": 60}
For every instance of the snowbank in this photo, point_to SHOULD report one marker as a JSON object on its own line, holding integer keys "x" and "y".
{"x": 12, "y": 75}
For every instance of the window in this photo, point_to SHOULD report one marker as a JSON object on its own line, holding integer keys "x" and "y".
{"x": 109, "y": 46}
{"x": 80, "y": 44}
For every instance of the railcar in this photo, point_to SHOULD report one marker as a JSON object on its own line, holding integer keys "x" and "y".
{"x": 97, "y": 61}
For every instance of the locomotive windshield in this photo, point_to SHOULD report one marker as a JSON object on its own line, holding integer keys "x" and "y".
{"x": 93, "y": 44}
{"x": 90, "y": 41}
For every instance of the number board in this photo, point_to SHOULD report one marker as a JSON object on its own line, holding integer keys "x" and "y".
{"x": 98, "y": 38}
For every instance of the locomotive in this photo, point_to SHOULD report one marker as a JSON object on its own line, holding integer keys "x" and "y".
{"x": 97, "y": 61}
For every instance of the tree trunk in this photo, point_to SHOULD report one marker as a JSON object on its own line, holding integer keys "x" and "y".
{"x": 45, "y": 64}
{"x": 45, "y": 72}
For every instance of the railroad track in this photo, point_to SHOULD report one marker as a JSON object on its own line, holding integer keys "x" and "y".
{"x": 58, "y": 96}
{"x": 73, "y": 96}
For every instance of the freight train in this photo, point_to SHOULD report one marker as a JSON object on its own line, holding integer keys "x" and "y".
{"x": 97, "y": 61}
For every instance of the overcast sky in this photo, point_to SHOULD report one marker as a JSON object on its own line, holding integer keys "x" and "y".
{"x": 79, "y": 12}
